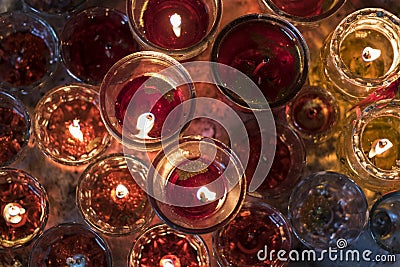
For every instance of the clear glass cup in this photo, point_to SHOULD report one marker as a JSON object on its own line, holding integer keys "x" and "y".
{"x": 361, "y": 55}
{"x": 257, "y": 227}
{"x": 196, "y": 186}
{"x": 152, "y": 88}
{"x": 15, "y": 125}
{"x": 110, "y": 195}
{"x": 301, "y": 12}
{"x": 314, "y": 114}
{"x": 93, "y": 40}
{"x": 180, "y": 29}
{"x": 70, "y": 244}
{"x": 67, "y": 125}
{"x": 270, "y": 51}
{"x": 327, "y": 209}
{"x": 368, "y": 146}
{"x": 162, "y": 246}
{"x": 24, "y": 208}
{"x": 384, "y": 222}
{"x": 29, "y": 52}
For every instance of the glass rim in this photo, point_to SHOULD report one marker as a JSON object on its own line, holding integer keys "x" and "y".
{"x": 61, "y": 14}
{"x": 182, "y": 53}
{"x": 89, "y": 169}
{"x": 276, "y": 22}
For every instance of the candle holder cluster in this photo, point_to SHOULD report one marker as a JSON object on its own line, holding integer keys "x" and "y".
{"x": 119, "y": 126}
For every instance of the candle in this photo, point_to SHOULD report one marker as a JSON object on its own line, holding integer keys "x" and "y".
{"x": 23, "y": 208}
{"x": 257, "y": 226}
{"x": 196, "y": 186}
{"x": 68, "y": 125}
{"x": 164, "y": 247}
{"x": 181, "y": 29}
{"x": 93, "y": 40}
{"x": 110, "y": 197}
{"x": 313, "y": 113}
{"x": 71, "y": 245}
{"x": 28, "y": 50}
{"x": 326, "y": 207}
{"x": 268, "y": 50}
{"x": 361, "y": 55}
{"x": 14, "y": 128}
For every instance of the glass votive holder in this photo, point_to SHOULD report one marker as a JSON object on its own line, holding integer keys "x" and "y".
{"x": 301, "y": 12}
{"x": 110, "y": 195}
{"x": 70, "y": 244}
{"x": 257, "y": 228}
{"x": 15, "y": 125}
{"x": 288, "y": 162}
{"x": 152, "y": 89}
{"x": 327, "y": 209}
{"x": 384, "y": 222}
{"x": 313, "y": 114}
{"x": 68, "y": 126}
{"x": 361, "y": 54}
{"x": 163, "y": 246}
{"x": 196, "y": 186}
{"x": 268, "y": 50}
{"x": 180, "y": 29}
{"x": 53, "y": 7}
{"x": 93, "y": 40}
{"x": 24, "y": 208}
{"x": 369, "y": 146}
{"x": 29, "y": 51}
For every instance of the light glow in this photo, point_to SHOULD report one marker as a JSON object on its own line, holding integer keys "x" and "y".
{"x": 176, "y": 22}
{"x": 379, "y": 147}
{"x": 75, "y": 130}
{"x": 370, "y": 54}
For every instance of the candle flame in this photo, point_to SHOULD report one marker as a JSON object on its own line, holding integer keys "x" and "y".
{"x": 370, "y": 54}
{"x": 145, "y": 123}
{"x": 205, "y": 195}
{"x": 75, "y": 130}
{"x": 13, "y": 212}
{"x": 121, "y": 191}
{"x": 170, "y": 261}
{"x": 379, "y": 147}
{"x": 176, "y": 22}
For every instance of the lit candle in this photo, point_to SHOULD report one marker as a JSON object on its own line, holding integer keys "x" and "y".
{"x": 170, "y": 261}
{"x": 68, "y": 125}
{"x": 14, "y": 214}
{"x": 176, "y": 22}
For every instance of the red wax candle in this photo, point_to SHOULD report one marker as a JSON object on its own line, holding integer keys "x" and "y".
{"x": 148, "y": 98}
{"x": 93, "y": 40}
{"x": 175, "y": 24}
{"x": 300, "y": 8}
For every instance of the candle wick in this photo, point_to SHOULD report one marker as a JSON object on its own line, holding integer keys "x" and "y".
{"x": 263, "y": 63}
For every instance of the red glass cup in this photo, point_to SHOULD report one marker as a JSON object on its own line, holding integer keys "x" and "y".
{"x": 70, "y": 244}
{"x": 181, "y": 29}
{"x": 268, "y": 50}
{"x": 140, "y": 94}
{"x": 93, "y": 40}
{"x": 24, "y": 208}
{"x": 15, "y": 125}
{"x": 110, "y": 195}
{"x": 162, "y": 246}
{"x": 196, "y": 186}
{"x": 29, "y": 52}
{"x": 68, "y": 126}
{"x": 250, "y": 237}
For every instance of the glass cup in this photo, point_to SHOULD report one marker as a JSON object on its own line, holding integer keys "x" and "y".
{"x": 180, "y": 29}
{"x": 93, "y": 40}
{"x": 361, "y": 55}
{"x": 15, "y": 125}
{"x": 368, "y": 146}
{"x": 270, "y": 51}
{"x": 313, "y": 114}
{"x": 384, "y": 222}
{"x": 162, "y": 246}
{"x": 257, "y": 228}
{"x": 327, "y": 209}
{"x": 196, "y": 186}
{"x": 150, "y": 87}
{"x": 24, "y": 208}
{"x": 29, "y": 52}
{"x": 301, "y": 12}
{"x": 72, "y": 245}
{"x": 110, "y": 195}
{"x": 68, "y": 126}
